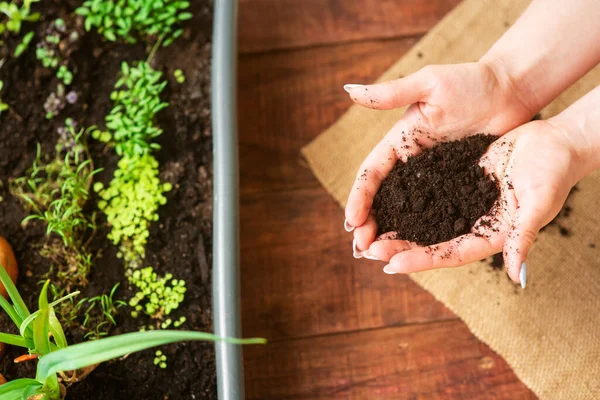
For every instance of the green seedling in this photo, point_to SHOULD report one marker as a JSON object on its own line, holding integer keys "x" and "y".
{"x": 130, "y": 20}
{"x": 179, "y": 76}
{"x": 157, "y": 296}
{"x": 131, "y": 201}
{"x": 55, "y": 193}
{"x": 106, "y": 308}
{"x": 65, "y": 75}
{"x": 39, "y": 332}
{"x": 47, "y": 57}
{"x": 136, "y": 102}
{"x": 24, "y": 45}
{"x": 43, "y": 336}
{"x": 17, "y": 15}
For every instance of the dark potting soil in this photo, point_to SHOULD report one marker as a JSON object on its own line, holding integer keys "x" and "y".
{"x": 438, "y": 194}
{"x": 180, "y": 242}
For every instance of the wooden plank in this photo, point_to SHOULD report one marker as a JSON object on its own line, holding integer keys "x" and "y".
{"x": 288, "y": 98}
{"x": 298, "y": 275}
{"x": 274, "y": 24}
{"x": 439, "y": 360}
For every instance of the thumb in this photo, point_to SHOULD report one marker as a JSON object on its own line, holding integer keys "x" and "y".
{"x": 526, "y": 224}
{"x": 393, "y": 94}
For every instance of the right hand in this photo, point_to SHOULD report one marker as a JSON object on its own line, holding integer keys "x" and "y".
{"x": 447, "y": 102}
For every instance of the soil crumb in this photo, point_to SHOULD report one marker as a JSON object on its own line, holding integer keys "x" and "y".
{"x": 438, "y": 194}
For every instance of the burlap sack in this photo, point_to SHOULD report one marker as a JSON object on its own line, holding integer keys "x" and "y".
{"x": 550, "y": 332}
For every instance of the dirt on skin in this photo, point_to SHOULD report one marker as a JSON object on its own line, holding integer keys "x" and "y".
{"x": 438, "y": 194}
{"x": 180, "y": 242}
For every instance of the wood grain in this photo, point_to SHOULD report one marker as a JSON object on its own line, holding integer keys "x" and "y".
{"x": 299, "y": 277}
{"x": 439, "y": 360}
{"x": 339, "y": 328}
{"x": 275, "y": 24}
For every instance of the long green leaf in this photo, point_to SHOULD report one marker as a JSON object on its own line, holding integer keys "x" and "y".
{"x": 10, "y": 310}
{"x": 57, "y": 331}
{"x": 14, "y": 390}
{"x": 13, "y": 293}
{"x": 41, "y": 324}
{"x": 27, "y": 321}
{"x": 13, "y": 340}
{"x": 97, "y": 351}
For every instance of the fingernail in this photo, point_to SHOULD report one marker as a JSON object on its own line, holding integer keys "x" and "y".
{"x": 523, "y": 275}
{"x": 366, "y": 254}
{"x": 355, "y": 252}
{"x": 347, "y": 226}
{"x": 351, "y": 86}
{"x": 388, "y": 270}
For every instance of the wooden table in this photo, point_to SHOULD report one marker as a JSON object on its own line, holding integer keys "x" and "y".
{"x": 339, "y": 328}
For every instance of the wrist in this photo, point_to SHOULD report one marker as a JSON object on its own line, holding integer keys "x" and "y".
{"x": 585, "y": 148}
{"x": 513, "y": 85}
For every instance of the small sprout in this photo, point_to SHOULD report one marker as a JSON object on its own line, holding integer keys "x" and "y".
{"x": 65, "y": 75}
{"x": 179, "y": 77}
{"x": 24, "y": 45}
{"x": 55, "y": 193}
{"x": 132, "y": 20}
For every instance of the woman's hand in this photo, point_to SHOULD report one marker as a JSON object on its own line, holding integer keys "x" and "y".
{"x": 448, "y": 102}
{"x": 536, "y": 166}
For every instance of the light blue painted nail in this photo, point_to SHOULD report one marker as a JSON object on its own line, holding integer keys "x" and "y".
{"x": 523, "y": 275}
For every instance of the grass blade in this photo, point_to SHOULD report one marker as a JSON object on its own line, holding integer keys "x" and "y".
{"x": 10, "y": 310}
{"x": 89, "y": 353}
{"x": 41, "y": 324}
{"x": 14, "y": 390}
{"x": 13, "y": 340}
{"x": 12, "y": 291}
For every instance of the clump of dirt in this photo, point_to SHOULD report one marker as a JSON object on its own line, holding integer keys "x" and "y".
{"x": 438, "y": 194}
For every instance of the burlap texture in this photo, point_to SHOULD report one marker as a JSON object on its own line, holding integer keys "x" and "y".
{"x": 550, "y": 332}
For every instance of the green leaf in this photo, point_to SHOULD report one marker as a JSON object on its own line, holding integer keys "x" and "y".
{"x": 13, "y": 293}
{"x": 18, "y": 388}
{"x": 10, "y": 310}
{"x": 30, "y": 318}
{"x": 184, "y": 16}
{"x": 41, "y": 324}
{"x": 89, "y": 353}
{"x": 110, "y": 35}
{"x": 57, "y": 331}
{"x": 83, "y": 11}
{"x": 13, "y": 340}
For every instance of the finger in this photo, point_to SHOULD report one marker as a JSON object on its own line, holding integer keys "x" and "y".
{"x": 365, "y": 234}
{"x": 456, "y": 252}
{"x": 528, "y": 220}
{"x": 393, "y": 94}
{"x": 371, "y": 173}
{"x": 384, "y": 250}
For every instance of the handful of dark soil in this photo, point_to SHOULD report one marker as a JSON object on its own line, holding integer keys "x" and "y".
{"x": 438, "y": 194}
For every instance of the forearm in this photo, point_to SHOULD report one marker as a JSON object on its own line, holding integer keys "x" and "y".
{"x": 552, "y": 45}
{"x": 580, "y": 123}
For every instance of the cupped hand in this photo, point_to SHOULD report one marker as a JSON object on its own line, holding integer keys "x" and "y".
{"x": 448, "y": 102}
{"x": 535, "y": 165}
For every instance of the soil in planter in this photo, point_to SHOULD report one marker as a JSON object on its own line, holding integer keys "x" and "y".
{"x": 180, "y": 242}
{"x": 438, "y": 194}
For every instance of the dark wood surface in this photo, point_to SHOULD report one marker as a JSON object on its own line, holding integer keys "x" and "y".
{"x": 338, "y": 327}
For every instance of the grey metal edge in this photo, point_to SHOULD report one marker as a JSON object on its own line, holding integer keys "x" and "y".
{"x": 226, "y": 257}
